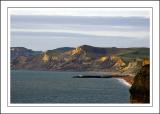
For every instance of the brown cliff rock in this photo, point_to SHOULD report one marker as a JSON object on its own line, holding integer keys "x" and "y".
{"x": 140, "y": 89}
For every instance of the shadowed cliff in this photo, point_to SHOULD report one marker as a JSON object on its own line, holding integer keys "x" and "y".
{"x": 140, "y": 90}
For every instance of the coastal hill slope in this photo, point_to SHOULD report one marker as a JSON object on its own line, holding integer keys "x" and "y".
{"x": 21, "y": 51}
{"x": 82, "y": 58}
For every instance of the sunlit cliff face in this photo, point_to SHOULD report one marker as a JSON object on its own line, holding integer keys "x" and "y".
{"x": 145, "y": 62}
{"x": 45, "y": 57}
{"x": 102, "y": 59}
{"x": 120, "y": 62}
{"x": 76, "y": 51}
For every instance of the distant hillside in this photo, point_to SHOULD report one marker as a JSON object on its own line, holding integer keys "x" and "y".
{"x": 121, "y": 52}
{"x": 21, "y": 51}
{"x": 59, "y": 50}
{"x": 83, "y": 58}
{"x": 134, "y": 53}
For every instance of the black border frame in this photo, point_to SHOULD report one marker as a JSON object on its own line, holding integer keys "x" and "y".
{"x": 81, "y": 103}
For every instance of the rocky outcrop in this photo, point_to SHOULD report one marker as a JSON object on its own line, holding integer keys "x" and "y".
{"x": 140, "y": 89}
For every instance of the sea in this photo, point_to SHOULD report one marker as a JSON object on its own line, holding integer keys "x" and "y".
{"x": 61, "y": 87}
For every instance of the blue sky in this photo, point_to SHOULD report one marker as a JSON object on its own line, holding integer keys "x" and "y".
{"x": 44, "y": 29}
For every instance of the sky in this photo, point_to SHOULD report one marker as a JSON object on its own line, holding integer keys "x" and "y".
{"x": 44, "y": 29}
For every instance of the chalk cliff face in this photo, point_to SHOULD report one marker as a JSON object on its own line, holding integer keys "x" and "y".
{"x": 140, "y": 89}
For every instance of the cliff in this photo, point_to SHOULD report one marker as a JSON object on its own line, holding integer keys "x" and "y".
{"x": 82, "y": 58}
{"x": 140, "y": 89}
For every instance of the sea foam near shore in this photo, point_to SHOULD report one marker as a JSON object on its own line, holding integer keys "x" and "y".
{"x": 124, "y": 82}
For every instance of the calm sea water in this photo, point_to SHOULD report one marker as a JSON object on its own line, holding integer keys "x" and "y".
{"x": 60, "y": 87}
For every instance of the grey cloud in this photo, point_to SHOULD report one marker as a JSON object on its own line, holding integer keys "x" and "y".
{"x": 61, "y": 34}
{"x": 81, "y": 20}
{"x": 78, "y": 27}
